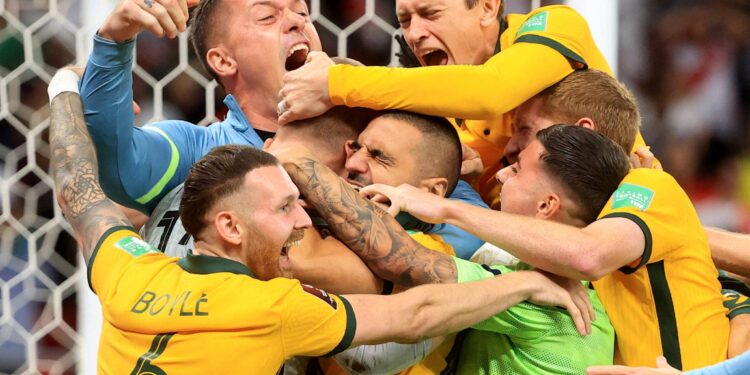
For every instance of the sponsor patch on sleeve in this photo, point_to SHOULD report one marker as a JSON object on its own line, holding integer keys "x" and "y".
{"x": 629, "y": 195}
{"x": 321, "y": 294}
{"x": 135, "y": 247}
{"x": 537, "y": 22}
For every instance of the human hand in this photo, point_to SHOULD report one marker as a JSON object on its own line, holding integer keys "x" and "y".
{"x": 161, "y": 17}
{"x": 305, "y": 91}
{"x": 554, "y": 290}
{"x": 471, "y": 162}
{"x": 644, "y": 158}
{"x": 421, "y": 204}
{"x": 662, "y": 368}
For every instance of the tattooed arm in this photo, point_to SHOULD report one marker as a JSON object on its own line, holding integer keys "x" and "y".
{"x": 83, "y": 203}
{"x": 367, "y": 229}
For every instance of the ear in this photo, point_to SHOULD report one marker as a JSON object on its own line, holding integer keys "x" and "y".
{"x": 587, "y": 122}
{"x": 548, "y": 206}
{"x": 435, "y": 185}
{"x": 348, "y": 148}
{"x": 228, "y": 228}
{"x": 221, "y": 62}
{"x": 490, "y": 8}
{"x": 267, "y": 144}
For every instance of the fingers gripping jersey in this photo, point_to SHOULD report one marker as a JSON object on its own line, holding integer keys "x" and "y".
{"x": 203, "y": 314}
{"x": 164, "y": 229}
{"x": 671, "y": 294}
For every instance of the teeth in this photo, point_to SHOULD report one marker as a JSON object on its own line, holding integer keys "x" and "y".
{"x": 429, "y": 51}
{"x": 298, "y": 47}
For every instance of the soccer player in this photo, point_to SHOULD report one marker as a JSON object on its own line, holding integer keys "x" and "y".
{"x": 524, "y": 339}
{"x": 513, "y": 58}
{"x": 246, "y": 45}
{"x": 224, "y": 308}
{"x": 597, "y": 101}
{"x": 646, "y": 250}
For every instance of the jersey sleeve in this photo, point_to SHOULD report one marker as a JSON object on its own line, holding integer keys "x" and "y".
{"x": 559, "y": 28}
{"x": 654, "y": 201}
{"x": 137, "y": 165}
{"x": 315, "y": 323}
{"x": 539, "y": 56}
{"x": 735, "y": 303}
{"x": 117, "y": 248}
{"x": 461, "y": 91}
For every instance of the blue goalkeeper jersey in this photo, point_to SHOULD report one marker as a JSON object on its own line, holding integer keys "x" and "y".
{"x": 139, "y": 166}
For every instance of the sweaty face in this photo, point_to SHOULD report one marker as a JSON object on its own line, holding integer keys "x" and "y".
{"x": 273, "y": 221}
{"x": 268, "y": 38}
{"x": 524, "y": 182}
{"x": 529, "y": 120}
{"x": 442, "y": 32}
{"x": 383, "y": 154}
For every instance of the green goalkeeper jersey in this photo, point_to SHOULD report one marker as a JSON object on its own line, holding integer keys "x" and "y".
{"x": 530, "y": 339}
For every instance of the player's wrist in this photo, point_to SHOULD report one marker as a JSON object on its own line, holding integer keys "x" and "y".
{"x": 65, "y": 80}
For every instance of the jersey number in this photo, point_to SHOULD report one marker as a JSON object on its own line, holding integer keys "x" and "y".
{"x": 144, "y": 365}
{"x": 168, "y": 222}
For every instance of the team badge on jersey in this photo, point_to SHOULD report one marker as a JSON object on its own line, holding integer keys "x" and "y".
{"x": 135, "y": 246}
{"x": 321, "y": 294}
{"x": 629, "y": 195}
{"x": 537, "y": 22}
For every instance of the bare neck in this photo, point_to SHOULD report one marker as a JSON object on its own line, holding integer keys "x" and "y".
{"x": 204, "y": 248}
{"x": 258, "y": 109}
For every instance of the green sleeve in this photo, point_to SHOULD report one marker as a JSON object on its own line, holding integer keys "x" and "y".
{"x": 523, "y": 321}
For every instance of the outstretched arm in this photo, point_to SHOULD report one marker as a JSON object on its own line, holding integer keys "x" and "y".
{"x": 730, "y": 251}
{"x": 136, "y": 164}
{"x": 578, "y": 253}
{"x": 76, "y": 175}
{"x": 432, "y": 310}
{"x": 366, "y": 229}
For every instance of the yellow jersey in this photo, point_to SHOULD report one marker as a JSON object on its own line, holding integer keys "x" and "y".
{"x": 203, "y": 314}
{"x": 668, "y": 302}
{"x": 535, "y": 51}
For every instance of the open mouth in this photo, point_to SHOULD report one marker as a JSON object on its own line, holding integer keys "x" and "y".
{"x": 296, "y": 56}
{"x": 434, "y": 57}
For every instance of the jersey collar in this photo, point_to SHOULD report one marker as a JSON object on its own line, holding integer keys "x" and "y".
{"x": 236, "y": 118}
{"x": 205, "y": 264}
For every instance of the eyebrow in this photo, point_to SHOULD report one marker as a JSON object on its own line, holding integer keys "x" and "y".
{"x": 378, "y": 153}
{"x": 266, "y": 2}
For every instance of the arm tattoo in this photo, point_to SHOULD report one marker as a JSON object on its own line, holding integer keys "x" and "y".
{"x": 369, "y": 230}
{"x": 81, "y": 198}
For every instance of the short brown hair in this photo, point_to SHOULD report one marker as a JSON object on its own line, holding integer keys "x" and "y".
{"x": 596, "y": 95}
{"x": 439, "y": 149}
{"x": 587, "y": 164}
{"x": 329, "y": 130}
{"x": 202, "y": 29}
{"x": 218, "y": 174}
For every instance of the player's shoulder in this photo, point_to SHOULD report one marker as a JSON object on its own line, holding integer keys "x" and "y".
{"x": 550, "y": 19}
{"x": 649, "y": 178}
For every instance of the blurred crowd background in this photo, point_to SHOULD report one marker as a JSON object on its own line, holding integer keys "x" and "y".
{"x": 687, "y": 61}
